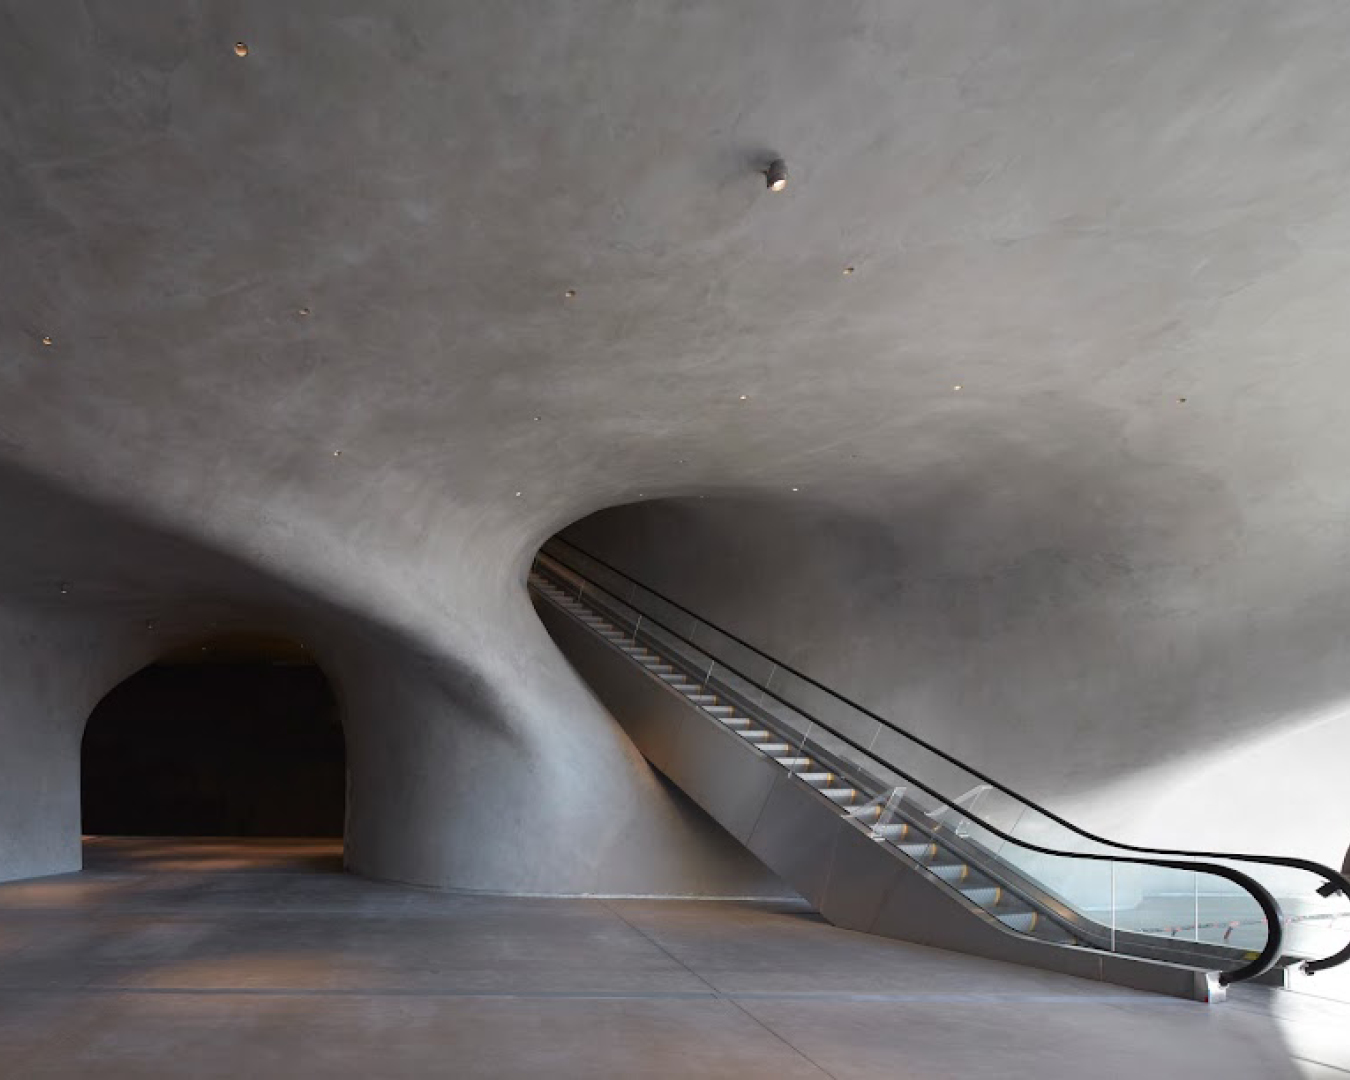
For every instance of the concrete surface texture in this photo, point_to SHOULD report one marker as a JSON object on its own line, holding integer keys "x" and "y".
{"x": 192, "y": 958}
{"x": 1020, "y": 412}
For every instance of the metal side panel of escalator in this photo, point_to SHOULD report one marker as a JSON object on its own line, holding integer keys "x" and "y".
{"x": 807, "y": 834}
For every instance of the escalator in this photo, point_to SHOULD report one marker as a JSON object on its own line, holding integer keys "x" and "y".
{"x": 884, "y": 833}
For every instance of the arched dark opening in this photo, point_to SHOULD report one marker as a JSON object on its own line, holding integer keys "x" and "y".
{"x": 238, "y": 738}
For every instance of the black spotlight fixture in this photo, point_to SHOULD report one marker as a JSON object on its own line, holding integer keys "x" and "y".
{"x": 775, "y": 176}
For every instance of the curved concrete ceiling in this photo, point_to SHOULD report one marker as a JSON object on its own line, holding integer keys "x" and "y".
{"x": 1051, "y": 315}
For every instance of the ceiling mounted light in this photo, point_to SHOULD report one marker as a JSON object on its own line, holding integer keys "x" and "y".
{"x": 303, "y": 312}
{"x": 337, "y": 453}
{"x": 570, "y": 294}
{"x": 848, "y": 270}
{"x": 519, "y": 494}
{"x": 240, "y": 48}
{"x": 957, "y": 386}
{"x": 46, "y": 340}
{"x": 776, "y": 175}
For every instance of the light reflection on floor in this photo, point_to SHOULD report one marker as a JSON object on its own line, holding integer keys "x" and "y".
{"x": 222, "y": 958}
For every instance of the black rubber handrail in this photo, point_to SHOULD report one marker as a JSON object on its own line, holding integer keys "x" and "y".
{"x": 1258, "y": 965}
{"x": 1335, "y": 879}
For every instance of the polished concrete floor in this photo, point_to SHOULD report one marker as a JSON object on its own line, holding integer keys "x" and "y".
{"x": 226, "y": 959}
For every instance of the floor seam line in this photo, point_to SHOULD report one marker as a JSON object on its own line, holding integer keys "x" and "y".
{"x": 718, "y": 994}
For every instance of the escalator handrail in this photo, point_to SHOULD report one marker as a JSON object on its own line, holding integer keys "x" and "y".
{"x": 1258, "y": 965}
{"x": 1326, "y": 873}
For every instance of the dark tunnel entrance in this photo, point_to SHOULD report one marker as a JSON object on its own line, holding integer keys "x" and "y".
{"x": 239, "y": 738}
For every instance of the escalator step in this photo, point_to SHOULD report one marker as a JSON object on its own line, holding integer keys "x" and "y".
{"x": 919, "y": 851}
{"x": 1023, "y": 921}
{"x": 986, "y": 896}
{"x": 952, "y": 873}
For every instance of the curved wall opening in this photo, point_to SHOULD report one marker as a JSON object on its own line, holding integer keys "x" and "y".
{"x": 231, "y": 738}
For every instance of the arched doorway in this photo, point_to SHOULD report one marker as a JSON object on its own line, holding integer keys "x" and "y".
{"x": 230, "y": 738}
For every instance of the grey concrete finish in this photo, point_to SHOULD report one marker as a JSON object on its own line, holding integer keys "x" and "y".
{"x": 354, "y": 321}
{"x": 452, "y": 782}
{"x": 197, "y": 958}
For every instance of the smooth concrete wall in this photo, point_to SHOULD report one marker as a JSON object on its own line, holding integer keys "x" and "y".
{"x": 514, "y": 788}
{"x": 484, "y": 768}
{"x": 52, "y": 672}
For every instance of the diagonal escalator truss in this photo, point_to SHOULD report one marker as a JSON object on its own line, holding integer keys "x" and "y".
{"x": 885, "y": 833}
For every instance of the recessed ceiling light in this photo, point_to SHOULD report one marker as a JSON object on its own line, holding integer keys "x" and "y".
{"x": 537, "y": 419}
{"x": 1181, "y": 401}
{"x": 796, "y": 489}
{"x": 303, "y": 312}
{"x": 337, "y": 453}
{"x": 957, "y": 386}
{"x": 848, "y": 270}
{"x": 65, "y": 588}
{"x": 570, "y": 294}
{"x": 46, "y": 340}
{"x": 519, "y": 494}
{"x": 240, "y": 48}
{"x": 776, "y": 175}
{"x": 745, "y": 397}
